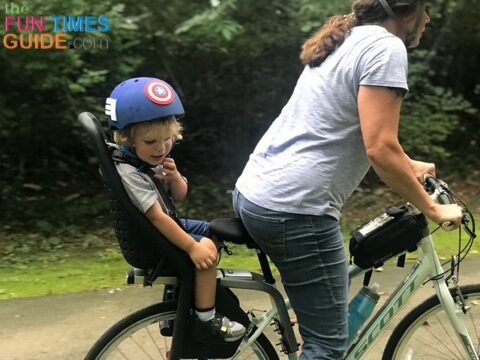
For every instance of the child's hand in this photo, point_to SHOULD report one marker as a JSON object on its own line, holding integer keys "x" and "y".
{"x": 203, "y": 254}
{"x": 169, "y": 172}
{"x": 177, "y": 183}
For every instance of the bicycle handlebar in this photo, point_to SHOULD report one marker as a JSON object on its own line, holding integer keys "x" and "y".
{"x": 432, "y": 184}
{"x": 438, "y": 189}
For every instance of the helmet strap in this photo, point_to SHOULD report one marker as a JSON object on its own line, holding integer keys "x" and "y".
{"x": 387, "y": 9}
{"x": 127, "y": 151}
{"x": 410, "y": 35}
{"x": 134, "y": 160}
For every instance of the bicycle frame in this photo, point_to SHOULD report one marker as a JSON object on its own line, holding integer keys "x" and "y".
{"x": 428, "y": 266}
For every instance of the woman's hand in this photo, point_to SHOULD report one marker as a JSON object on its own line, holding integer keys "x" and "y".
{"x": 446, "y": 213}
{"x": 421, "y": 168}
{"x": 203, "y": 254}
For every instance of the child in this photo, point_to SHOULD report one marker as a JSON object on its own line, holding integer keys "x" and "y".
{"x": 143, "y": 114}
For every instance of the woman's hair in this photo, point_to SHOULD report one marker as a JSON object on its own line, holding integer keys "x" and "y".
{"x": 127, "y": 136}
{"x": 332, "y": 34}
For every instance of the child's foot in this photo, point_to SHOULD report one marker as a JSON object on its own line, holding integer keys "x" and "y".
{"x": 229, "y": 330}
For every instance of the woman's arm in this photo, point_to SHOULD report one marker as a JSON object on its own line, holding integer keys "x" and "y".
{"x": 379, "y": 111}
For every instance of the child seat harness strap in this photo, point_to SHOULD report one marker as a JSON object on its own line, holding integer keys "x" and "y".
{"x": 120, "y": 157}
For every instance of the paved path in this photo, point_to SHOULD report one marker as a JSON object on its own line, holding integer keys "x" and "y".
{"x": 64, "y": 327}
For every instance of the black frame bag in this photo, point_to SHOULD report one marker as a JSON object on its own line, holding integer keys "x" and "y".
{"x": 391, "y": 234}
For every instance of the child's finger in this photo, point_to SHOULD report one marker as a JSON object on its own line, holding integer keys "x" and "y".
{"x": 168, "y": 162}
{"x": 169, "y": 168}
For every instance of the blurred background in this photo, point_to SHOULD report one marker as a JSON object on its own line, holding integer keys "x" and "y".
{"x": 234, "y": 64}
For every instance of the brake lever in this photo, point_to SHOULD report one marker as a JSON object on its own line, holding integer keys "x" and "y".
{"x": 467, "y": 229}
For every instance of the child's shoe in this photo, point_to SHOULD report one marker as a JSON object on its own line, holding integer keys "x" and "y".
{"x": 227, "y": 329}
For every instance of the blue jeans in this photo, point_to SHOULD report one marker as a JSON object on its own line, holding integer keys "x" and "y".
{"x": 310, "y": 256}
{"x": 196, "y": 228}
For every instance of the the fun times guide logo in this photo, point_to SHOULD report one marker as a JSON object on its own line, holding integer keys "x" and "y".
{"x": 24, "y": 31}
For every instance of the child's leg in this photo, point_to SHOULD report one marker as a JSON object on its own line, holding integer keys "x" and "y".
{"x": 205, "y": 284}
{"x": 205, "y": 291}
{"x": 205, "y": 288}
{"x": 205, "y": 279}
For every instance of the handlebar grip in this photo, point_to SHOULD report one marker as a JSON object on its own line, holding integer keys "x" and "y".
{"x": 448, "y": 226}
{"x": 430, "y": 181}
{"x": 432, "y": 184}
{"x": 444, "y": 199}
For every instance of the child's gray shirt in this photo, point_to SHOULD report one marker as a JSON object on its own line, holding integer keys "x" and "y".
{"x": 140, "y": 188}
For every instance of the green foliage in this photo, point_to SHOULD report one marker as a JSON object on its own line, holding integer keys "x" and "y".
{"x": 212, "y": 23}
{"x": 48, "y": 88}
{"x": 237, "y": 87}
{"x": 48, "y": 227}
{"x": 234, "y": 65}
{"x": 313, "y": 13}
{"x": 453, "y": 38}
{"x": 207, "y": 199}
{"x": 431, "y": 113}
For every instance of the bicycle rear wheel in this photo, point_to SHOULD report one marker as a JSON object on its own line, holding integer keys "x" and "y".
{"x": 138, "y": 337}
{"x": 425, "y": 333}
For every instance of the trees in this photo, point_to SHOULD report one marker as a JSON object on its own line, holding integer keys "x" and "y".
{"x": 452, "y": 63}
{"x": 234, "y": 64}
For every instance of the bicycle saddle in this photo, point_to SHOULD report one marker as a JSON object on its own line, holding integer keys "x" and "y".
{"x": 232, "y": 230}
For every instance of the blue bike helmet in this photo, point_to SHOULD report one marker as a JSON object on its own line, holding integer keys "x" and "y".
{"x": 141, "y": 99}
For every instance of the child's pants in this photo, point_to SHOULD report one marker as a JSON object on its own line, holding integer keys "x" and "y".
{"x": 196, "y": 228}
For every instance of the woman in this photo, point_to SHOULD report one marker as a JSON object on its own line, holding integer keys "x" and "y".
{"x": 341, "y": 119}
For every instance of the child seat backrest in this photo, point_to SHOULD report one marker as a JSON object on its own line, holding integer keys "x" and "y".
{"x": 142, "y": 245}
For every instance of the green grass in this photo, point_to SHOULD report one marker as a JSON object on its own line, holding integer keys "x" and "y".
{"x": 97, "y": 269}
{"x": 100, "y": 270}
{"x": 104, "y": 269}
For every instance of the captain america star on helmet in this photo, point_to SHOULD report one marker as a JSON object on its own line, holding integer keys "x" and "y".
{"x": 141, "y": 99}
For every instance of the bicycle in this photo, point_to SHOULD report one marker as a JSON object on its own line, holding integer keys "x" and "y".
{"x": 446, "y": 325}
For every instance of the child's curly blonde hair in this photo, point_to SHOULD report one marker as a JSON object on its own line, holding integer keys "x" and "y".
{"x": 127, "y": 136}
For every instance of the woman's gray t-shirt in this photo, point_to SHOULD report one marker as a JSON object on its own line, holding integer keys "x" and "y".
{"x": 312, "y": 157}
